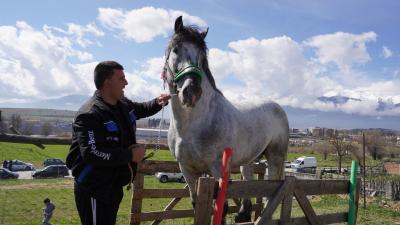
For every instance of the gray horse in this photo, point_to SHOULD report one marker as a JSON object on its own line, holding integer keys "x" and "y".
{"x": 204, "y": 122}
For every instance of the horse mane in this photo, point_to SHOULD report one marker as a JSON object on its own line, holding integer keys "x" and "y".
{"x": 192, "y": 34}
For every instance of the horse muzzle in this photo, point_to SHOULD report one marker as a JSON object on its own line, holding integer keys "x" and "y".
{"x": 190, "y": 93}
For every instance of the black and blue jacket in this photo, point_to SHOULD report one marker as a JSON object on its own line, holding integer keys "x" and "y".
{"x": 99, "y": 154}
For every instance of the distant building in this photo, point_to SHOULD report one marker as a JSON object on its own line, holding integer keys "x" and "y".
{"x": 317, "y": 132}
{"x": 294, "y": 130}
{"x": 329, "y": 132}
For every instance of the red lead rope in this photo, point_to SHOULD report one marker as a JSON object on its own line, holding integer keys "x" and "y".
{"x": 223, "y": 186}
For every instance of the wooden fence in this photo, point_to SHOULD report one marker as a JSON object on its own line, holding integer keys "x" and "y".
{"x": 276, "y": 191}
{"x": 140, "y": 193}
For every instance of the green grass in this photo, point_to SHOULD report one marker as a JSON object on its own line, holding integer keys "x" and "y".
{"x": 36, "y": 156}
{"x": 332, "y": 160}
{"x": 32, "y": 154}
{"x": 21, "y": 201}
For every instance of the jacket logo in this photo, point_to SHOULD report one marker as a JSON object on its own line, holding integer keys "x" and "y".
{"x": 93, "y": 149}
{"x": 132, "y": 116}
{"x": 111, "y": 126}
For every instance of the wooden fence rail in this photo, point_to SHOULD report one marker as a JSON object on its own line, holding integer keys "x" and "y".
{"x": 277, "y": 192}
{"x": 140, "y": 193}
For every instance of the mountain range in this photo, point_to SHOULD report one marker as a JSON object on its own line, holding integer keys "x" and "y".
{"x": 298, "y": 118}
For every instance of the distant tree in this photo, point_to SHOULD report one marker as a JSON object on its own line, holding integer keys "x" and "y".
{"x": 47, "y": 128}
{"x": 341, "y": 147}
{"x": 27, "y": 128}
{"x": 375, "y": 144}
{"x": 2, "y": 125}
{"x": 323, "y": 148}
{"x": 16, "y": 121}
{"x": 326, "y": 150}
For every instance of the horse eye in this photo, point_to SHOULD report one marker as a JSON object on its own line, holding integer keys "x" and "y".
{"x": 175, "y": 50}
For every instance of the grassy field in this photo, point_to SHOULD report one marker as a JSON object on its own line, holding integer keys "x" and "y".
{"x": 21, "y": 201}
{"x": 32, "y": 154}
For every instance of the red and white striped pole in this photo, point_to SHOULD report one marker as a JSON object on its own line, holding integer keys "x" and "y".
{"x": 223, "y": 186}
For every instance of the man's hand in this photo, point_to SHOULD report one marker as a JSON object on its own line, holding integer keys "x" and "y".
{"x": 163, "y": 99}
{"x": 138, "y": 151}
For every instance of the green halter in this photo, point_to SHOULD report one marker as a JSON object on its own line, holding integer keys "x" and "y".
{"x": 192, "y": 69}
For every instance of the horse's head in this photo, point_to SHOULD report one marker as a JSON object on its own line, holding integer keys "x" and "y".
{"x": 186, "y": 64}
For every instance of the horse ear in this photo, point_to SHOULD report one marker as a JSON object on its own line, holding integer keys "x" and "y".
{"x": 178, "y": 24}
{"x": 204, "y": 33}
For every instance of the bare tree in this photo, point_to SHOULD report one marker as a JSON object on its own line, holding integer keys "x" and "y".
{"x": 16, "y": 121}
{"x": 27, "y": 128}
{"x": 47, "y": 128}
{"x": 341, "y": 147}
{"x": 2, "y": 124}
{"x": 375, "y": 143}
{"x": 323, "y": 148}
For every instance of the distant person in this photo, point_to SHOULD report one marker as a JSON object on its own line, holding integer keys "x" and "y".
{"x": 5, "y": 164}
{"x": 9, "y": 164}
{"x": 47, "y": 211}
{"x": 104, "y": 153}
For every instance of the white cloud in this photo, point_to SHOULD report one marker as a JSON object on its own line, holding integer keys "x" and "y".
{"x": 386, "y": 52}
{"x": 277, "y": 69}
{"x": 144, "y": 24}
{"x": 343, "y": 49}
{"x": 78, "y": 32}
{"x": 152, "y": 68}
{"x": 34, "y": 64}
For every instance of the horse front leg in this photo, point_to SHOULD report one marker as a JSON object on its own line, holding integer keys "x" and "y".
{"x": 244, "y": 214}
{"x": 191, "y": 179}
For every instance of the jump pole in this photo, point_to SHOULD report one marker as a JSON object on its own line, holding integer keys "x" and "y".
{"x": 223, "y": 186}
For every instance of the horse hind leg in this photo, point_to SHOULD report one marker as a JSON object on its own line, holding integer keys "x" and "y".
{"x": 244, "y": 214}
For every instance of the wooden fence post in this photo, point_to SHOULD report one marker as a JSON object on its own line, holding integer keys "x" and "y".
{"x": 205, "y": 196}
{"x": 137, "y": 197}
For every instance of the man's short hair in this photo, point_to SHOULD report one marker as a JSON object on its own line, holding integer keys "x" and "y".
{"x": 104, "y": 70}
{"x": 46, "y": 200}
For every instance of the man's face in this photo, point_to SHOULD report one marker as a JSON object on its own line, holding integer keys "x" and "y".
{"x": 116, "y": 84}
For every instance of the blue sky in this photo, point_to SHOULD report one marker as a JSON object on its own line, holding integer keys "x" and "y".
{"x": 293, "y": 52}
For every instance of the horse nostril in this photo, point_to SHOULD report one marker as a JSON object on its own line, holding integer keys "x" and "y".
{"x": 185, "y": 92}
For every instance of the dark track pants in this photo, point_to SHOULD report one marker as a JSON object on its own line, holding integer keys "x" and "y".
{"x": 98, "y": 208}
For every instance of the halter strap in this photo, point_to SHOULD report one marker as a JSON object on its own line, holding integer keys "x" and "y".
{"x": 192, "y": 69}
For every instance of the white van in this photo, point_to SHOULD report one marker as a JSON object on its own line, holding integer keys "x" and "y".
{"x": 304, "y": 162}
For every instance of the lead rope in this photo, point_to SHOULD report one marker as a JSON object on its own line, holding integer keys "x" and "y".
{"x": 158, "y": 147}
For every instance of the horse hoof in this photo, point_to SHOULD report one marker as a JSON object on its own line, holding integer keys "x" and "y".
{"x": 242, "y": 217}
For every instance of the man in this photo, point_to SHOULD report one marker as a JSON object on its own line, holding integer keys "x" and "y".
{"x": 104, "y": 153}
{"x": 47, "y": 211}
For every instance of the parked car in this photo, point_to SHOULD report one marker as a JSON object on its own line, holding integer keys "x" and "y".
{"x": 165, "y": 177}
{"x": 6, "y": 174}
{"x": 50, "y": 162}
{"x": 51, "y": 171}
{"x": 17, "y": 165}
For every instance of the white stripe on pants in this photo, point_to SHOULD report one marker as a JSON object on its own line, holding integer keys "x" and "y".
{"x": 93, "y": 202}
